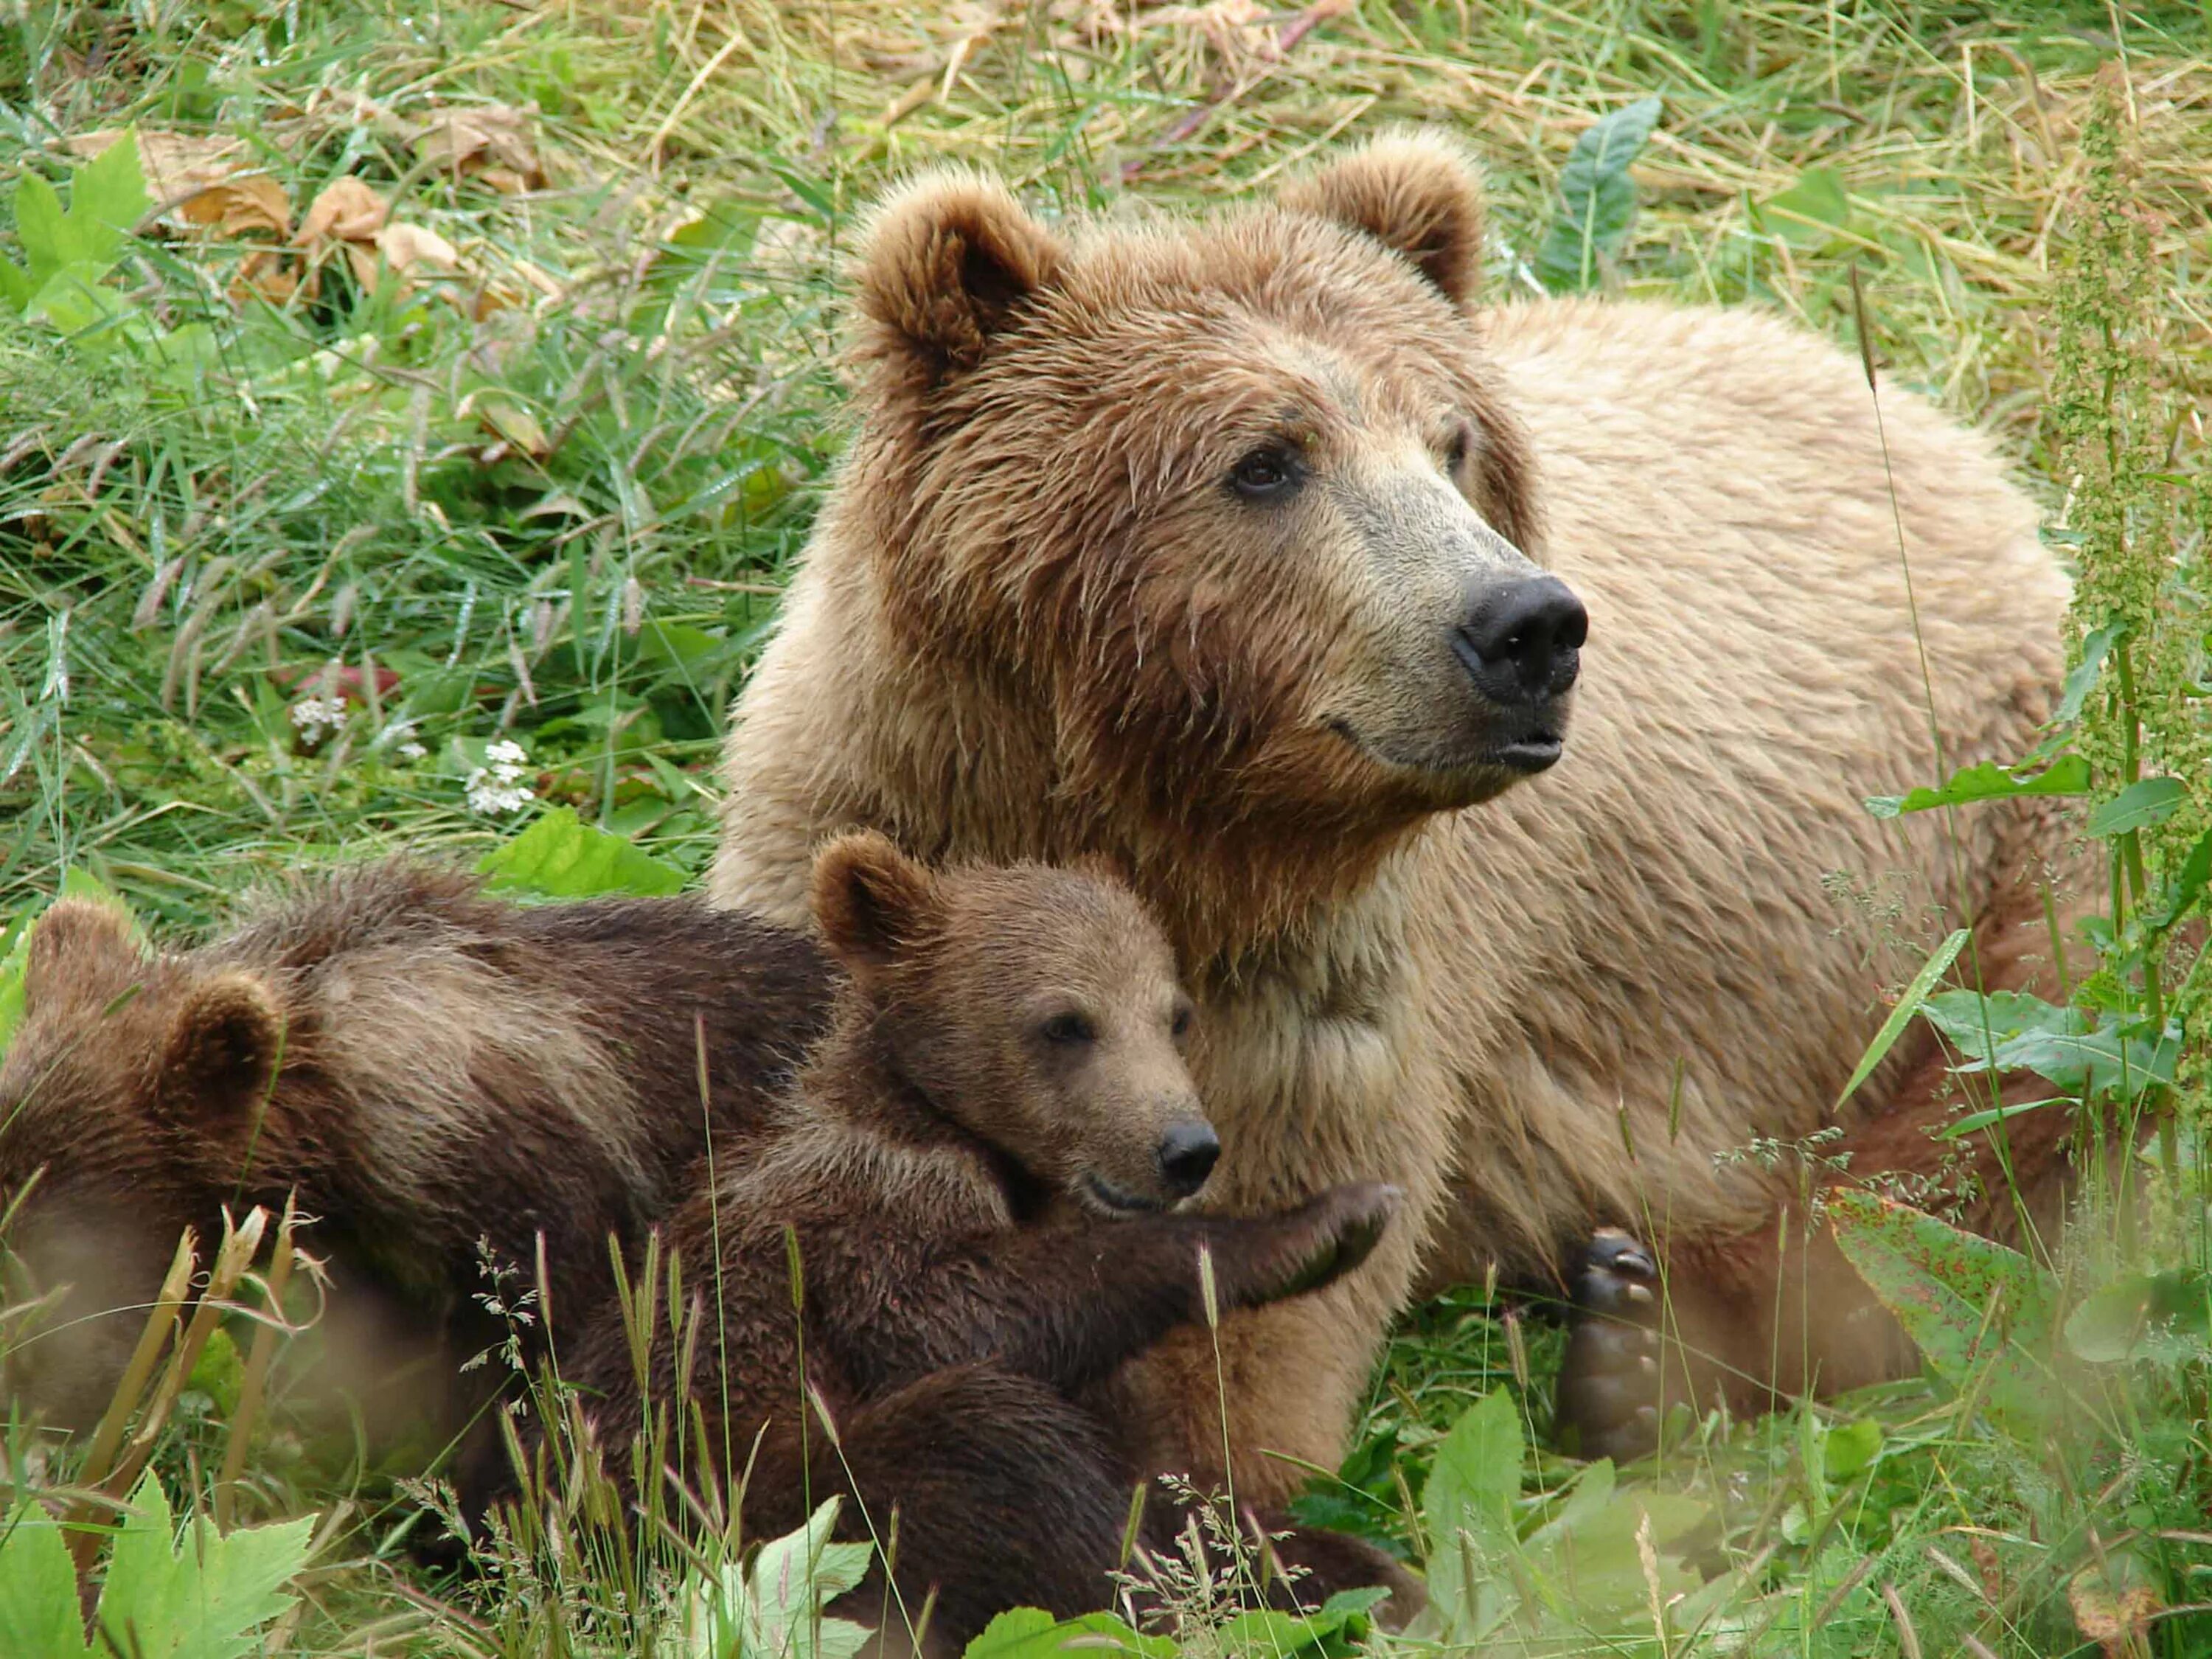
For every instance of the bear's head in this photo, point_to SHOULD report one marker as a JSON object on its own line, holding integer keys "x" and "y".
{"x": 1233, "y": 515}
{"x": 1036, "y": 1007}
{"x": 131, "y": 1084}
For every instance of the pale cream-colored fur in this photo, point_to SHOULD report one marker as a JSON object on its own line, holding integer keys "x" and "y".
{"x": 1645, "y": 933}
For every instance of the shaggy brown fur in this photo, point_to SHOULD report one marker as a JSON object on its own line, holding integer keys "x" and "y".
{"x": 974, "y": 1166}
{"x": 426, "y": 1067}
{"x": 1049, "y": 611}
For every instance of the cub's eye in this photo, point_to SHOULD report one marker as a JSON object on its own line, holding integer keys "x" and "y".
{"x": 1456, "y": 452}
{"x": 1065, "y": 1030}
{"x": 1265, "y": 475}
{"x": 1179, "y": 1025}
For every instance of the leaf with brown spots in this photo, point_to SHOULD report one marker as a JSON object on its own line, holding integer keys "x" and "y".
{"x": 490, "y": 141}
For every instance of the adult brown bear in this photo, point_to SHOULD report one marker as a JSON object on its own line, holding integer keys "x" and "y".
{"x": 1208, "y": 549}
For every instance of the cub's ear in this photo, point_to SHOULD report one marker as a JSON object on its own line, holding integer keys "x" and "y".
{"x": 946, "y": 262}
{"x": 873, "y": 903}
{"x": 225, "y": 1042}
{"x": 1418, "y": 193}
{"x": 80, "y": 945}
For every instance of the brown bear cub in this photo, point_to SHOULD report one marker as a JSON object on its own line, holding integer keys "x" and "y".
{"x": 977, "y": 1165}
{"x": 433, "y": 1071}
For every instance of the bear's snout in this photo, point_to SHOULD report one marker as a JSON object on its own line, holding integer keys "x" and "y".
{"x": 1522, "y": 642}
{"x": 1188, "y": 1153}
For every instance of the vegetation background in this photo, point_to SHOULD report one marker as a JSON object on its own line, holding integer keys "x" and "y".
{"x": 405, "y": 432}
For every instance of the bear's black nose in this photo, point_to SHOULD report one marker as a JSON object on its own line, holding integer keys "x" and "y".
{"x": 1522, "y": 639}
{"x": 1188, "y": 1153}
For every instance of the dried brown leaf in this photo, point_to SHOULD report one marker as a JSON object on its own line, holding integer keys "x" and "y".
{"x": 2114, "y": 1621}
{"x": 344, "y": 210}
{"x": 489, "y": 140}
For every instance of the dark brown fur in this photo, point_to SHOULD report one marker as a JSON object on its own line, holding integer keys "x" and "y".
{"x": 425, "y": 1066}
{"x": 939, "y": 1168}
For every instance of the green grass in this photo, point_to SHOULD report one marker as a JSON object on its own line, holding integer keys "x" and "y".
{"x": 549, "y": 496}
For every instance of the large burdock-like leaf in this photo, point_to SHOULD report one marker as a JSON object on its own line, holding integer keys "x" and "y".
{"x": 1960, "y": 1296}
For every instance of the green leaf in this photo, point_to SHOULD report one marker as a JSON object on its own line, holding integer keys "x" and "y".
{"x": 2189, "y": 885}
{"x": 16, "y": 287}
{"x": 1471, "y": 1489}
{"x": 2138, "y": 806}
{"x": 2013, "y": 1031}
{"x": 204, "y": 1600}
{"x": 1851, "y": 1448}
{"x": 1597, "y": 198}
{"x": 2068, "y": 776}
{"x": 43, "y": 229}
{"x": 2143, "y": 1316}
{"x": 14, "y": 964}
{"x": 1029, "y": 1633}
{"x": 39, "y": 1618}
{"x": 1993, "y": 1114}
{"x": 561, "y": 856}
{"x": 107, "y": 198}
{"x": 1901, "y": 1016}
{"x": 1942, "y": 1284}
{"x": 1809, "y": 214}
{"x": 2083, "y": 679}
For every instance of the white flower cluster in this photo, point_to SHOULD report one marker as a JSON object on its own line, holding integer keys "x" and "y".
{"x": 495, "y": 789}
{"x": 318, "y": 717}
{"x": 400, "y": 734}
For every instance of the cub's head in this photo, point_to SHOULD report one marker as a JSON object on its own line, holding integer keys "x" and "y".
{"x": 1234, "y": 514}
{"x": 131, "y": 1087}
{"x": 1038, "y": 1007}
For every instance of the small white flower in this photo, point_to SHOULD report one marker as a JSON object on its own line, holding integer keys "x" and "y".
{"x": 495, "y": 789}
{"x": 411, "y": 751}
{"x": 318, "y": 717}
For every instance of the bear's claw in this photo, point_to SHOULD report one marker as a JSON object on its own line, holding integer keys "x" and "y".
{"x": 1608, "y": 1397}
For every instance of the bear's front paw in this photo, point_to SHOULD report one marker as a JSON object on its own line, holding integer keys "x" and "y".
{"x": 1608, "y": 1398}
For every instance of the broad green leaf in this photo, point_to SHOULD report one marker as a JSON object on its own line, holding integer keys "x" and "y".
{"x": 1810, "y": 213}
{"x": 1597, "y": 198}
{"x": 204, "y": 1599}
{"x": 1849, "y": 1448}
{"x": 1334, "y": 1631}
{"x": 2013, "y": 1031}
{"x": 2068, "y": 776}
{"x": 1992, "y": 1115}
{"x": 107, "y": 198}
{"x": 2140, "y": 805}
{"x": 2083, "y": 679}
{"x": 2143, "y": 1316}
{"x": 1029, "y": 1633}
{"x": 72, "y": 301}
{"x": 39, "y": 1618}
{"x": 16, "y": 287}
{"x": 2188, "y": 886}
{"x": 1942, "y": 1284}
{"x": 1471, "y": 1489}
{"x": 1901, "y": 1016}
{"x": 562, "y": 857}
{"x": 15, "y": 963}
{"x": 47, "y": 236}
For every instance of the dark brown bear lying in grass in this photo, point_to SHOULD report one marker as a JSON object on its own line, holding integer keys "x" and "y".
{"x": 427, "y": 1066}
{"x": 977, "y": 1165}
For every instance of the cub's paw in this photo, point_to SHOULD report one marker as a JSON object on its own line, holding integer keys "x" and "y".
{"x": 1326, "y": 1238}
{"x": 1310, "y": 1564}
{"x": 1608, "y": 1400}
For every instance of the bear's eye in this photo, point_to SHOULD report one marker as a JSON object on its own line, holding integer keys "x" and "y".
{"x": 1456, "y": 452}
{"x": 1267, "y": 474}
{"x": 1179, "y": 1024}
{"x": 1065, "y": 1031}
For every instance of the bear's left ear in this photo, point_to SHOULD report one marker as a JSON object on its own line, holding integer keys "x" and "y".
{"x": 945, "y": 263}
{"x": 226, "y": 1040}
{"x": 1418, "y": 194}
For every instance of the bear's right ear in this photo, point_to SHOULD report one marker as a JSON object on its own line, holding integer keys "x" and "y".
{"x": 1415, "y": 191}
{"x": 225, "y": 1043}
{"x": 945, "y": 263}
{"x": 873, "y": 903}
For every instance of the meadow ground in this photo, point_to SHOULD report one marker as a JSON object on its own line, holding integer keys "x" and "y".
{"x": 469, "y": 383}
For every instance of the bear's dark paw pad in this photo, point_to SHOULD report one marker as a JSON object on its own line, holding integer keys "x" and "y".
{"x": 1608, "y": 1397}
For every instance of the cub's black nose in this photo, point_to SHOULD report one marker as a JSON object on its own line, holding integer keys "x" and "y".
{"x": 1522, "y": 639}
{"x": 1189, "y": 1151}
